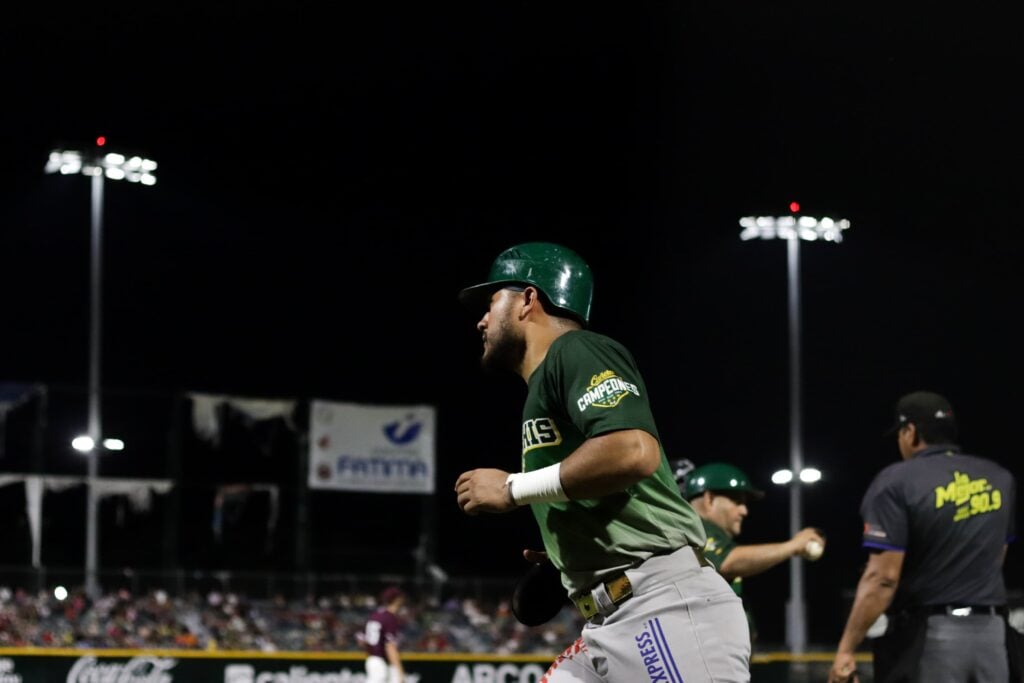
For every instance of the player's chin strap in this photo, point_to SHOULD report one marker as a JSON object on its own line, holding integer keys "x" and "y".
{"x": 539, "y": 486}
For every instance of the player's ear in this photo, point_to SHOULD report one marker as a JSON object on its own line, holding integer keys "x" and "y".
{"x": 914, "y": 436}
{"x": 531, "y": 297}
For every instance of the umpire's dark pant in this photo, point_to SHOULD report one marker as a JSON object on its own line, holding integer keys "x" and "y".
{"x": 964, "y": 650}
{"x": 940, "y": 648}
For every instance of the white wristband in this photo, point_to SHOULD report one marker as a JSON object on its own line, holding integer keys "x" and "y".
{"x": 540, "y": 486}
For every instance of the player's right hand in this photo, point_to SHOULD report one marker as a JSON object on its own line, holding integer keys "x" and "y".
{"x": 483, "y": 490}
{"x": 803, "y": 537}
{"x": 844, "y": 669}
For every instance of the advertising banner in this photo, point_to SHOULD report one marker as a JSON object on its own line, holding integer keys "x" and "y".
{"x": 378, "y": 449}
{"x": 194, "y": 667}
{"x": 41, "y": 665}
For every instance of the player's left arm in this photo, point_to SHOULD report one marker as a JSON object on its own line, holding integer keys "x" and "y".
{"x": 394, "y": 658}
{"x": 875, "y": 592}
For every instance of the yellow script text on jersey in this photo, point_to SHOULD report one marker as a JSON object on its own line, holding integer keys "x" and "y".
{"x": 970, "y": 496}
{"x": 606, "y": 391}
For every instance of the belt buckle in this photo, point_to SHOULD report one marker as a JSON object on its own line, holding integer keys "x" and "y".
{"x": 701, "y": 557}
{"x": 968, "y": 610}
{"x": 618, "y": 591}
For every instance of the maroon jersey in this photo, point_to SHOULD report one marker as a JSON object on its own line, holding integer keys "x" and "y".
{"x": 382, "y": 627}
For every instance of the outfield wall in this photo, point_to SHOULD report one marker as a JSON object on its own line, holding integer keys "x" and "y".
{"x": 52, "y": 665}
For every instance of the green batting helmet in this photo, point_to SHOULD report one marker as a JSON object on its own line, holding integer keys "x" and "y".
{"x": 717, "y": 476}
{"x": 559, "y": 272}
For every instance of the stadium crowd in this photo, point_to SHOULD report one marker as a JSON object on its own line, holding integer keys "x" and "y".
{"x": 229, "y": 621}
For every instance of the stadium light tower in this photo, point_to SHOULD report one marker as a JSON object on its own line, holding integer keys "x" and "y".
{"x": 98, "y": 166}
{"x": 793, "y": 229}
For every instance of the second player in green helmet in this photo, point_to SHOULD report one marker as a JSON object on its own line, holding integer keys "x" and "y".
{"x": 718, "y": 476}
{"x": 560, "y": 274}
{"x": 720, "y": 492}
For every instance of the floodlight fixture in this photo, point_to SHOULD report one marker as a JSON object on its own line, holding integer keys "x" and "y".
{"x": 808, "y": 475}
{"x": 98, "y": 165}
{"x": 83, "y": 444}
{"x": 134, "y": 169}
{"x": 807, "y": 228}
{"x": 794, "y": 229}
{"x": 782, "y": 477}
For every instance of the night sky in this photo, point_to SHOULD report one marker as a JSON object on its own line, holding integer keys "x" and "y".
{"x": 329, "y": 180}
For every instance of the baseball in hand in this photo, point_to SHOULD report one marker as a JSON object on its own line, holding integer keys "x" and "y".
{"x": 813, "y": 550}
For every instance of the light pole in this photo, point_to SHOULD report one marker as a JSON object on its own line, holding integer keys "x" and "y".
{"x": 98, "y": 166}
{"x": 793, "y": 230}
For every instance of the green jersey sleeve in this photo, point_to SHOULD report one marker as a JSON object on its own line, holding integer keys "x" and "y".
{"x": 601, "y": 385}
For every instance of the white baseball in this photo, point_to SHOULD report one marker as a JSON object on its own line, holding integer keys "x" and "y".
{"x": 813, "y": 550}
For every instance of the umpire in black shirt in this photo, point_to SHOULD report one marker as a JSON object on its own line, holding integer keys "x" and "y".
{"x": 936, "y": 525}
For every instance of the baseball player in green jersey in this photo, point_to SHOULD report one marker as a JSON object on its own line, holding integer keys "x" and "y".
{"x": 626, "y": 545}
{"x": 720, "y": 493}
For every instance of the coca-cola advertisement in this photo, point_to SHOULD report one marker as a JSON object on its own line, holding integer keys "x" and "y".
{"x": 141, "y": 669}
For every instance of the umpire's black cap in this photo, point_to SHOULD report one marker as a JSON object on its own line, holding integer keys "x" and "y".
{"x": 924, "y": 408}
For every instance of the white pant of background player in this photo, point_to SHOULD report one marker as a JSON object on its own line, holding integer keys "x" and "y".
{"x": 379, "y": 671}
{"x": 683, "y": 624}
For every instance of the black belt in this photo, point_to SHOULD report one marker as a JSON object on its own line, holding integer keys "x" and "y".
{"x": 966, "y": 610}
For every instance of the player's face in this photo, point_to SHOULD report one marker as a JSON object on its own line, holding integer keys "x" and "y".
{"x": 504, "y": 343}
{"x": 728, "y": 511}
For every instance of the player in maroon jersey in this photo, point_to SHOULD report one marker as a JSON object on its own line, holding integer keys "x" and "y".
{"x": 381, "y": 638}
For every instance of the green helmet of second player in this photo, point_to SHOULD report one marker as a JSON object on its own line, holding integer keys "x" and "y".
{"x": 558, "y": 272}
{"x": 720, "y": 477}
